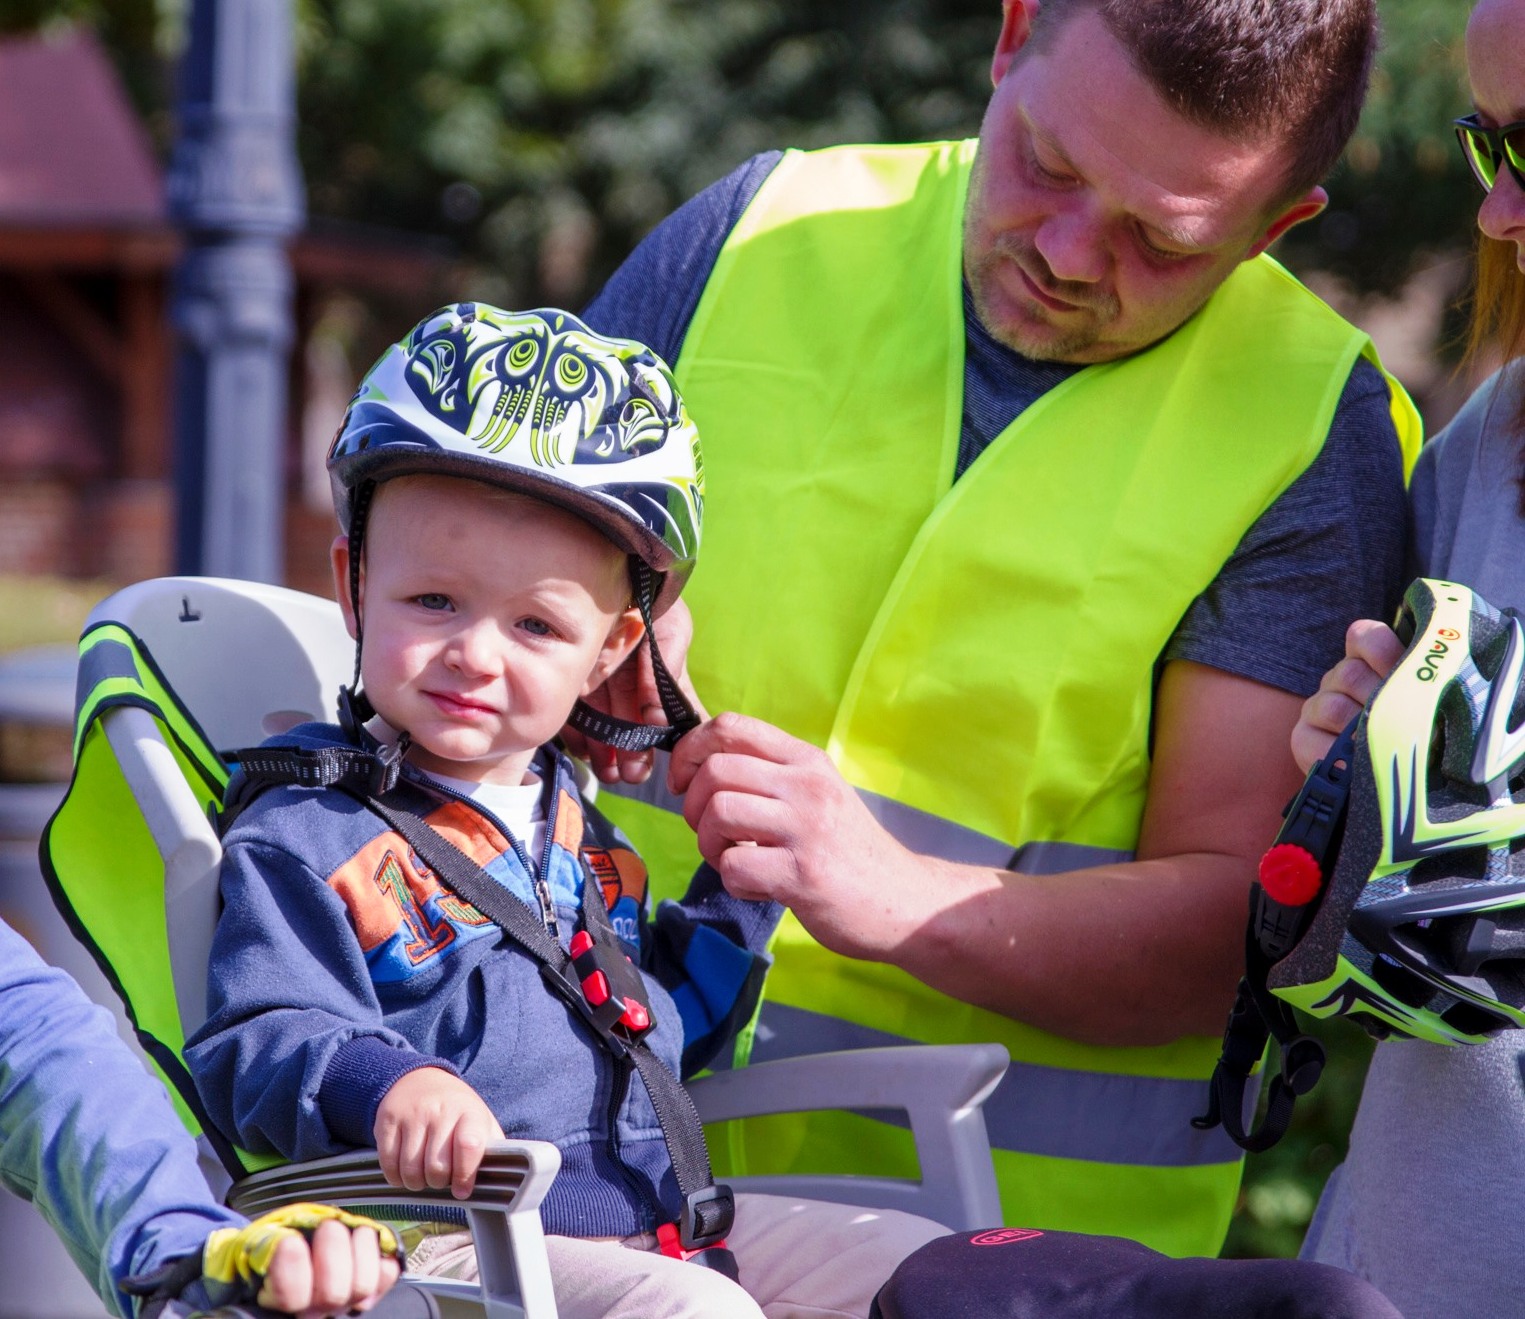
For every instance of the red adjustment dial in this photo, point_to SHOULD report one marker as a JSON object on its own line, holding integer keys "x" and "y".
{"x": 1290, "y": 875}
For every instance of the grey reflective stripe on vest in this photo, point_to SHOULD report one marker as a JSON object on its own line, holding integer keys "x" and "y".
{"x": 921, "y": 831}
{"x": 1101, "y": 1117}
{"x": 104, "y": 661}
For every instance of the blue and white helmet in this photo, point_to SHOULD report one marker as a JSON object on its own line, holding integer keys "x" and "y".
{"x": 536, "y": 402}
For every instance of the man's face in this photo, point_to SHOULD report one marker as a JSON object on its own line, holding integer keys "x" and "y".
{"x": 1099, "y": 220}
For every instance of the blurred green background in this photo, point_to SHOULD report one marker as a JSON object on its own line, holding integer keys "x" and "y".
{"x": 540, "y": 139}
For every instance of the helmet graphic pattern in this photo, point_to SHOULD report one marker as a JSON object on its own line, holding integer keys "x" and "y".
{"x": 1421, "y": 932}
{"x": 536, "y": 402}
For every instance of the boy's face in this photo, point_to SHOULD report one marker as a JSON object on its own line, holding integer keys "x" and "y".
{"x": 486, "y": 616}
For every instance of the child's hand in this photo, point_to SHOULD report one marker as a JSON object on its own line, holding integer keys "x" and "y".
{"x": 431, "y": 1131}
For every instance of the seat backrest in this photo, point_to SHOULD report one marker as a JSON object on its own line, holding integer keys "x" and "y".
{"x": 175, "y": 673}
{"x": 246, "y": 659}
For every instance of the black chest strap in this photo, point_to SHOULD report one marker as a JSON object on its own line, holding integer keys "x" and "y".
{"x": 596, "y": 980}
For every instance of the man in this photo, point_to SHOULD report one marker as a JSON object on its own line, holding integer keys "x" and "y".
{"x": 1018, "y": 586}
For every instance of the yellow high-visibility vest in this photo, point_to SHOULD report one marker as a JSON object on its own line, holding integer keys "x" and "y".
{"x": 977, "y": 656}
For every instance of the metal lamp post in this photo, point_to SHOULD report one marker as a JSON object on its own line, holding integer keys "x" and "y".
{"x": 235, "y": 191}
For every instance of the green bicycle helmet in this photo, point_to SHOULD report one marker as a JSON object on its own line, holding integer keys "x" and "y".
{"x": 1421, "y": 931}
{"x": 538, "y": 403}
{"x": 1394, "y": 893}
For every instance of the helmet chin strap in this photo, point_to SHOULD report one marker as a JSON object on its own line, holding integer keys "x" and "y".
{"x": 622, "y": 734}
{"x": 355, "y": 709}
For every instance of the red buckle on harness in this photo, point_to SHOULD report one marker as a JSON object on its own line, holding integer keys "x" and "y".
{"x": 595, "y": 985}
{"x": 670, "y": 1242}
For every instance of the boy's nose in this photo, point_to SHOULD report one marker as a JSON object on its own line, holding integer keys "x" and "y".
{"x": 473, "y": 648}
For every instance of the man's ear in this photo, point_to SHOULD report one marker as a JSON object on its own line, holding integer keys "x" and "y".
{"x": 1305, "y": 208}
{"x": 1016, "y": 26}
{"x": 338, "y": 556}
{"x": 624, "y": 636}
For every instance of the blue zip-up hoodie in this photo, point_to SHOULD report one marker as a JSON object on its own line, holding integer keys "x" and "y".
{"x": 340, "y": 963}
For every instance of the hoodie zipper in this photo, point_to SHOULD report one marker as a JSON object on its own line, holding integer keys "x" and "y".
{"x": 536, "y": 874}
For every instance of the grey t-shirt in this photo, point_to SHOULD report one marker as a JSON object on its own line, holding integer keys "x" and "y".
{"x": 1430, "y": 1203}
{"x": 1330, "y": 549}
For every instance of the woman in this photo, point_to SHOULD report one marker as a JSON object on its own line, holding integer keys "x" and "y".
{"x": 1428, "y": 1205}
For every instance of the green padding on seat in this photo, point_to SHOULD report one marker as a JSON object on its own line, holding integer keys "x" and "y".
{"x": 104, "y": 868}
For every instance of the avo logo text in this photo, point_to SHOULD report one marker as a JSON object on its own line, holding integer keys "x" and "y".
{"x": 1427, "y": 670}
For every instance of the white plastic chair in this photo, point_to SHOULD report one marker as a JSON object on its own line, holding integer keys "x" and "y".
{"x": 250, "y": 660}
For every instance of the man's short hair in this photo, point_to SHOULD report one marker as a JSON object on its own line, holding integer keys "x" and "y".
{"x": 1298, "y": 68}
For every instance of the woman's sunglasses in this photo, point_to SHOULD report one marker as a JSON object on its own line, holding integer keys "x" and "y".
{"x": 1486, "y": 148}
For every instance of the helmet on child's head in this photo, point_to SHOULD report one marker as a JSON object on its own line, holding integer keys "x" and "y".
{"x": 1421, "y": 929}
{"x": 535, "y": 402}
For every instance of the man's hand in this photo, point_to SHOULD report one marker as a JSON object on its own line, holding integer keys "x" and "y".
{"x": 630, "y": 693}
{"x": 776, "y": 818}
{"x": 310, "y": 1260}
{"x": 1131, "y": 953}
{"x": 431, "y": 1132}
{"x": 1371, "y": 651}
{"x": 341, "y": 1270}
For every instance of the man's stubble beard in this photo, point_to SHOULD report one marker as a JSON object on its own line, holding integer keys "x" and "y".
{"x": 1051, "y": 343}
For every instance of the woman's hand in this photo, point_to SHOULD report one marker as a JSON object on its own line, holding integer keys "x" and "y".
{"x": 1371, "y": 651}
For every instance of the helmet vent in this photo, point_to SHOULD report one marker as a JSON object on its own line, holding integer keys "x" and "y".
{"x": 1466, "y": 863}
{"x": 1469, "y": 1019}
{"x": 1401, "y": 983}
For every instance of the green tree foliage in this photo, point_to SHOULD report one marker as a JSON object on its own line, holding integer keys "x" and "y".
{"x": 1402, "y": 191}
{"x": 548, "y": 135}
{"x": 545, "y": 137}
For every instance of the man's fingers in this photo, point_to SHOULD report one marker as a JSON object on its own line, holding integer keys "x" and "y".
{"x": 734, "y": 733}
{"x": 1354, "y": 678}
{"x": 728, "y": 772}
{"x": 366, "y": 1275}
{"x": 757, "y": 874}
{"x": 732, "y": 818}
{"x": 1325, "y": 714}
{"x": 288, "y": 1281}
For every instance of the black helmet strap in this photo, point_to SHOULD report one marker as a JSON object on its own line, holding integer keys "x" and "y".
{"x": 1315, "y": 822}
{"x": 622, "y": 734}
{"x": 354, "y": 708}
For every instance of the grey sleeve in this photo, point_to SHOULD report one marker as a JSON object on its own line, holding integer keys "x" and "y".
{"x": 652, "y": 297}
{"x": 1331, "y": 549}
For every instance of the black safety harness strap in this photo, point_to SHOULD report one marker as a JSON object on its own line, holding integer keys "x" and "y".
{"x": 596, "y": 980}
{"x": 1314, "y": 822}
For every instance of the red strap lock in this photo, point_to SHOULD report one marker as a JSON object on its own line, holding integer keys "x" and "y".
{"x": 595, "y": 984}
{"x": 1290, "y": 875}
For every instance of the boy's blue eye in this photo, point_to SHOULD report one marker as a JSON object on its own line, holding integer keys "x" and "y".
{"x": 538, "y": 626}
{"x": 433, "y": 600}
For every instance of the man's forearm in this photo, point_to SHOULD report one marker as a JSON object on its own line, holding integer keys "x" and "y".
{"x": 1138, "y": 953}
